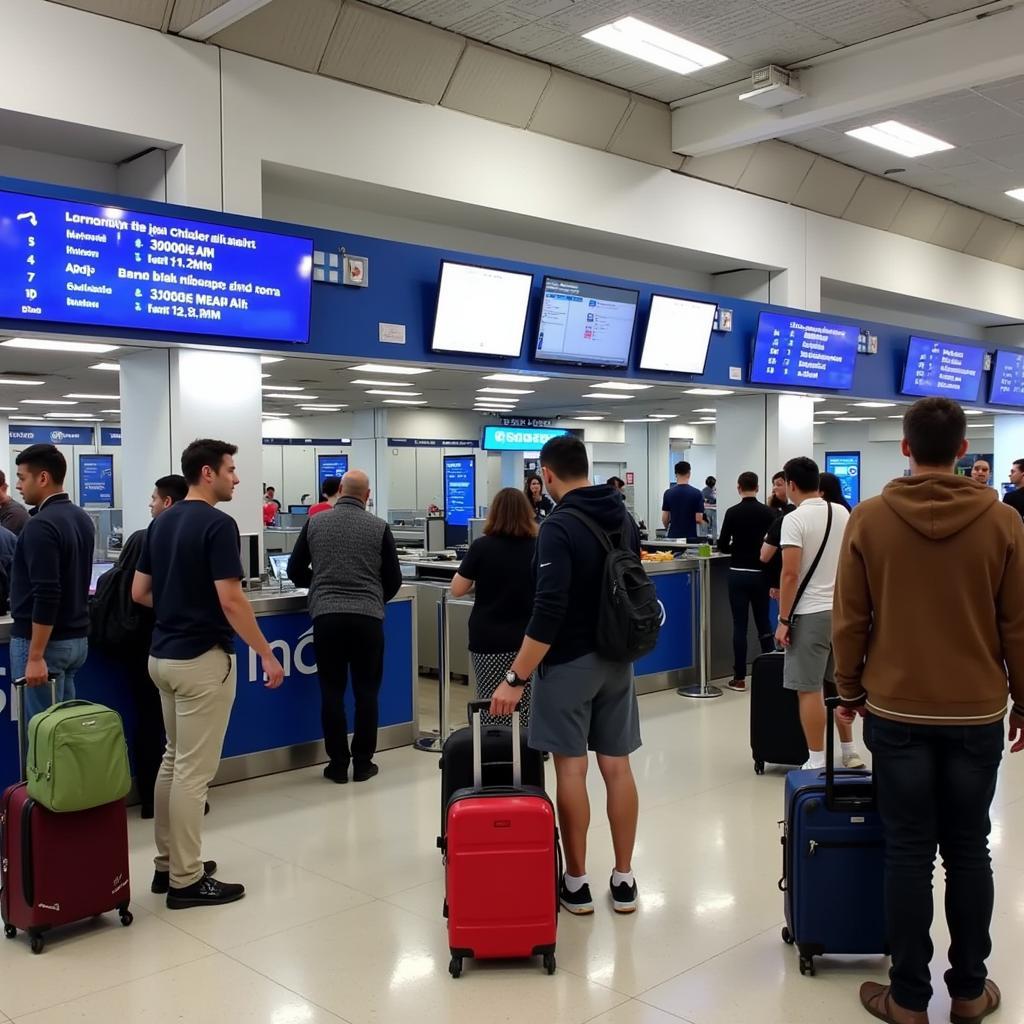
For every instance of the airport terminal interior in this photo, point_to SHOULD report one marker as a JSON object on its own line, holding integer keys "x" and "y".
{"x": 420, "y": 239}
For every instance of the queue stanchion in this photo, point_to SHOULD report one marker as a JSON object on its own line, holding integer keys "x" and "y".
{"x": 435, "y": 741}
{"x": 703, "y": 690}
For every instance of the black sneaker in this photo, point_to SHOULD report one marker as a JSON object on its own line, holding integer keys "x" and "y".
{"x": 162, "y": 879}
{"x": 623, "y": 897}
{"x": 336, "y": 773}
{"x": 362, "y": 772}
{"x": 207, "y": 892}
{"x": 578, "y": 902}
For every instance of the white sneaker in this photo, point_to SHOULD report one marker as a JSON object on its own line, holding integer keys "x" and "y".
{"x": 811, "y": 767}
{"x": 854, "y": 761}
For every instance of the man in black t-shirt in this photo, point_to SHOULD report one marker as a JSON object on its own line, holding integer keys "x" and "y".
{"x": 190, "y": 574}
{"x": 682, "y": 507}
{"x": 1015, "y": 499}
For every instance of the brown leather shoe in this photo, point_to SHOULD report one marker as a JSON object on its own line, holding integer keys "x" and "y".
{"x": 878, "y": 1001}
{"x": 971, "y": 1011}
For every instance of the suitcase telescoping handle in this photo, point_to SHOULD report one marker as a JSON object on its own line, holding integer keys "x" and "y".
{"x": 23, "y": 723}
{"x": 858, "y": 801}
{"x": 476, "y": 708}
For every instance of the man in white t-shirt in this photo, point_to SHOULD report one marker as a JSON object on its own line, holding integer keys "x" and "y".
{"x": 805, "y": 610}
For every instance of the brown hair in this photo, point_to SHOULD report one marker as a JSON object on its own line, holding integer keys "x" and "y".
{"x": 934, "y": 429}
{"x": 510, "y": 515}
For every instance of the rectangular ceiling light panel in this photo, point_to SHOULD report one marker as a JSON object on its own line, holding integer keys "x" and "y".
{"x": 654, "y": 45}
{"x": 899, "y": 138}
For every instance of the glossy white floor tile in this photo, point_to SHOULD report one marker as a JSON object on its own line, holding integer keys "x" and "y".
{"x": 343, "y": 917}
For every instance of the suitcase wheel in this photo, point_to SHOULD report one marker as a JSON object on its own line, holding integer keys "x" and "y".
{"x": 549, "y": 963}
{"x": 787, "y": 937}
{"x": 127, "y": 917}
{"x": 10, "y": 931}
{"x": 759, "y": 767}
{"x": 807, "y": 965}
{"x": 455, "y": 966}
{"x": 38, "y": 942}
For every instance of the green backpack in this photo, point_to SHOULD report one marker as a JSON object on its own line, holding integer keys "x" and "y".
{"x": 77, "y": 757}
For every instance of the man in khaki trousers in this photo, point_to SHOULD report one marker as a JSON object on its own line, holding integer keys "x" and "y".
{"x": 190, "y": 573}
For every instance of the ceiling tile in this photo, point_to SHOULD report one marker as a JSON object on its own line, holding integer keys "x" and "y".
{"x": 149, "y": 13}
{"x": 828, "y": 187}
{"x": 646, "y": 134}
{"x": 579, "y": 110}
{"x": 991, "y": 238}
{"x": 845, "y": 21}
{"x": 397, "y": 55}
{"x": 919, "y": 216}
{"x": 876, "y": 203}
{"x": 724, "y": 168}
{"x": 529, "y": 38}
{"x": 995, "y": 123}
{"x": 489, "y": 25}
{"x": 283, "y": 33}
{"x": 956, "y": 228}
{"x": 670, "y": 87}
{"x": 1014, "y": 251}
{"x": 776, "y": 171}
{"x": 942, "y": 8}
{"x": 497, "y": 85}
{"x": 445, "y": 13}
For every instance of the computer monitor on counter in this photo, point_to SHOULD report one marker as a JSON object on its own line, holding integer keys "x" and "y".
{"x": 249, "y": 549}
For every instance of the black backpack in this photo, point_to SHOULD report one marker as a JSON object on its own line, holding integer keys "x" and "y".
{"x": 629, "y": 616}
{"x": 114, "y": 618}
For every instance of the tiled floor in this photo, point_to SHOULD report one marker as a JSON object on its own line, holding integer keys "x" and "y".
{"x": 342, "y": 919}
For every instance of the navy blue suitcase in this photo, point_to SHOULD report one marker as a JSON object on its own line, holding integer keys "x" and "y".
{"x": 833, "y": 862}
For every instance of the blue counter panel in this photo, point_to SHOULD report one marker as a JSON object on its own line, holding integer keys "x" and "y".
{"x": 675, "y": 643}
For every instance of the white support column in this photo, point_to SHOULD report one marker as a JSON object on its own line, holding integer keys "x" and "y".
{"x": 511, "y": 469}
{"x": 1008, "y": 447}
{"x": 789, "y": 430}
{"x": 658, "y": 476}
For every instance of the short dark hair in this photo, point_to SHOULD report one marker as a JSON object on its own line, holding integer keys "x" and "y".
{"x": 934, "y": 429}
{"x": 747, "y": 481}
{"x": 330, "y": 487}
{"x": 566, "y": 457}
{"x": 3, "y": 478}
{"x": 683, "y": 469}
{"x": 205, "y": 451}
{"x": 776, "y": 477}
{"x": 172, "y": 486}
{"x": 1019, "y": 463}
{"x": 803, "y": 473}
{"x": 616, "y": 481}
{"x": 710, "y": 482}
{"x": 44, "y": 458}
{"x": 270, "y": 488}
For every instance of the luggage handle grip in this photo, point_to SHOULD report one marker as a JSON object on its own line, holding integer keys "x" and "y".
{"x": 22, "y": 681}
{"x": 476, "y": 707}
{"x": 23, "y": 725}
{"x": 831, "y": 802}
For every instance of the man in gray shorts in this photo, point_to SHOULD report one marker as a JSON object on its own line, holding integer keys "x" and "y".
{"x": 805, "y": 621}
{"x": 580, "y": 701}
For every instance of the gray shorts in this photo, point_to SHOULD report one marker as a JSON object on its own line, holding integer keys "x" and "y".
{"x": 808, "y": 662}
{"x": 586, "y": 704}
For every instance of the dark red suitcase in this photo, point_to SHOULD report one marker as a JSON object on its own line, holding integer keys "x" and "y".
{"x": 59, "y": 868}
{"x": 502, "y": 866}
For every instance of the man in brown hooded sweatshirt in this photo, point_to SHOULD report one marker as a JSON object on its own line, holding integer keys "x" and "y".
{"x": 928, "y": 653}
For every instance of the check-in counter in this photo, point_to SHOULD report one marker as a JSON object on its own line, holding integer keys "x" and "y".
{"x": 269, "y": 730}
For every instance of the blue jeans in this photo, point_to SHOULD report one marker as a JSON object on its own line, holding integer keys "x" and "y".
{"x": 63, "y": 659}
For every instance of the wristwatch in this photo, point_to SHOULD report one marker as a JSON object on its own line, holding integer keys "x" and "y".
{"x": 785, "y": 622}
{"x": 513, "y": 680}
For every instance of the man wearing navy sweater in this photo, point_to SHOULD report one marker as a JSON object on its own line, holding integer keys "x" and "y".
{"x": 50, "y": 578}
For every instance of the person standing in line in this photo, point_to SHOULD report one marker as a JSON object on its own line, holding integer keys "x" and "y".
{"x": 133, "y": 652}
{"x": 499, "y": 568}
{"x": 813, "y": 531}
{"x": 710, "y": 496}
{"x": 1015, "y": 499}
{"x": 581, "y": 701}
{"x": 771, "y": 555}
{"x": 831, "y": 490}
{"x": 743, "y": 530}
{"x": 330, "y": 493}
{"x": 50, "y": 577}
{"x": 13, "y": 516}
{"x": 270, "y": 496}
{"x": 780, "y": 495}
{"x": 541, "y": 504}
{"x": 190, "y": 573}
{"x": 682, "y": 508}
{"x": 981, "y": 472}
{"x": 8, "y": 542}
{"x": 348, "y": 560}
{"x": 930, "y": 668}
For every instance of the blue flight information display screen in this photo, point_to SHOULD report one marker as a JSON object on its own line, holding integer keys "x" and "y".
{"x": 846, "y": 467}
{"x": 796, "y": 352}
{"x": 101, "y": 266}
{"x": 96, "y": 480}
{"x": 943, "y": 369}
{"x": 1008, "y": 379}
{"x": 459, "y": 489}
{"x": 330, "y": 465}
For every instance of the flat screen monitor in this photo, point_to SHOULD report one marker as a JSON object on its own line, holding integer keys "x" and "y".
{"x": 518, "y": 439}
{"x": 846, "y": 468}
{"x": 96, "y": 480}
{"x": 98, "y": 569}
{"x": 678, "y": 335}
{"x": 791, "y": 350}
{"x": 329, "y": 465}
{"x": 943, "y": 369}
{"x": 481, "y": 310}
{"x": 1007, "y": 379}
{"x": 298, "y": 510}
{"x": 586, "y": 324}
{"x": 279, "y": 567}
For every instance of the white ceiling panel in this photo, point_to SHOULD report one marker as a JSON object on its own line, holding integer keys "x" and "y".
{"x": 149, "y": 13}
{"x": 957, "y": 227}
{"x": 497, "y": 85}
{"x": 724, "y": 168}
{"x": 919, "y": 216}
{"x": 828, "y": 187}
{"x": 776, "y": 171}
{"x": 991, "y": 238}
{"x": 446, "y": 13}
{"x": 529, "y": 38}
{"x": 489, "y": 25}
{"x": 579, "y": 110}
{"x": 876, "y": 203}
{"x": 646, "y": 134}
{"x": 670, "y": 87}
{"x": 284, "y": 33}
{"x": 1014, "y": 251}
{"x": 400, "y": 56}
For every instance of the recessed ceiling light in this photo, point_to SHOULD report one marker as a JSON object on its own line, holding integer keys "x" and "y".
{"x": 665, "y": 415}
{"x": 645, "y": 419}
{"x": 266, "y": 375}
{"x": 698, "y": 423}
{"x": 384, "y": 383}
{"x": 495, "y": 401}
{"x": 612, "y": 398}
{"x": 705, "y": 410}
{"x": 859, "y": 419}
{"x": 616, "y": 385}
{"x": 45, "y": 401}
{"x": 98, "y": 398}
{"x": 395, "y": 394}
{"x": 275, "y": 415}
{"x": 709, "y": 392}
{"x": 8, "y": 408}
{"x": 105, "y": 366}
{"x": 266, "y": 360}
{"x": 405, "y": 401}
{"x": 118, "y": 411}
{"x": 401, "y": 371}
{"x": 587, "y": 418}
{"x": 504, "y": 391}
{"x": 874, "y": 405}
{"x": 281, "y": 387}
{"x": 899, "y": 138}
{"x": 654, "y": 45}
{"x": 70, "y": 416}
{"x": 831, "y": 412}
{"x": 513, "y": 378}
{"x": 973, "y": 412}
{"x": 895, "y": 417}
{"x": 1016, "y": 193}
{"x": 22, "y": 381}
{"x": 48, "y": 345}
{"x": 325, "y": 408}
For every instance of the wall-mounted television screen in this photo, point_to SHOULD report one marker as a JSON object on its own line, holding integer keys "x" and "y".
{"x": 943, "y": 369}
{"x": 586, "y": 324}
{"x": 1007, "y": 379}
{"x": 481, "y": 311}
{"x": 678, "y": 335}
{"x": 795, "y": 351}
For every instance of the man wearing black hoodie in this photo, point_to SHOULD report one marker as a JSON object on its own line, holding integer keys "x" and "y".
{"x": 581, "y": 701}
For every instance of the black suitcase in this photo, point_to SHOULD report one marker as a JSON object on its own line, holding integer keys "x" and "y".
{"x": 776, "y": 736}
{"x": 495, "y": 755}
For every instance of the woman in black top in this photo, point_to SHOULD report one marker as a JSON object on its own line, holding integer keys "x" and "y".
{"x": 499, "y": 567}
{"x": 832, "y": 491}
{"x": 541, "y": 504}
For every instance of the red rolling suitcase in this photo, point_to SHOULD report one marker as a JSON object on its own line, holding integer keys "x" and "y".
{"x": 59, "y": 868}
{"x": 502, "y": 865}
